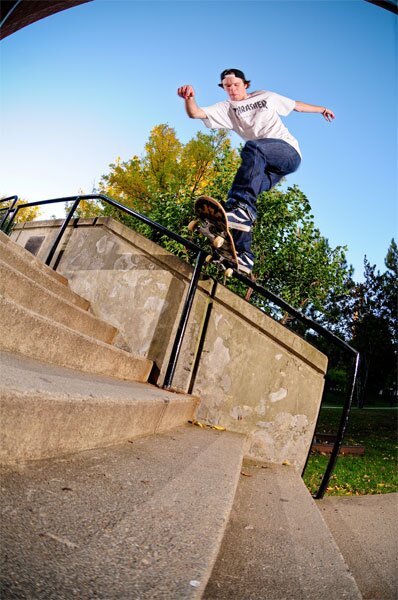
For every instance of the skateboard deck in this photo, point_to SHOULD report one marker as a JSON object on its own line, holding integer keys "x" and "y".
{"x": 212, "y": 223}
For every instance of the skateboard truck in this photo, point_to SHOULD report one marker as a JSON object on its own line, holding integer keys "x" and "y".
{"x": 216, "y": 241}
{"x": 212, "y": 223}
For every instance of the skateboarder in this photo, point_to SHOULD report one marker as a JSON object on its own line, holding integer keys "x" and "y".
{"x": 270, "y": 151}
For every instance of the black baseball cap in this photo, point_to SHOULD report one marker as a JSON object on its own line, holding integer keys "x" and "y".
{"x": 237, "y": 72}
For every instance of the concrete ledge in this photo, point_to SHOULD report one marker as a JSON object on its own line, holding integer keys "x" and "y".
{"x": 274, "y": 331}
{"x": 48, "y": 411}
{"x": 224, "y": 297}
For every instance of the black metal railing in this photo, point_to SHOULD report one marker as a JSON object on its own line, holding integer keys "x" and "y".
{"x": 6, "y": 210}
{"x": 352, "y": 354}
{"x": 201, "y": 256}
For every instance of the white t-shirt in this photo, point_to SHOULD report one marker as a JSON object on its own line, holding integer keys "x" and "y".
{"x": 256, "y": 117}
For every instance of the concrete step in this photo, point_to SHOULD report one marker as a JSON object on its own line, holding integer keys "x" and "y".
{"x": 38, "y": 337}
{"x": 18, "y": 249}
{"x": 29, "y": 294}
{"x": 47, "y": 411}
{"x": 366, "y": 531}
{"x": 31, "y": 267}
{"x": 277, "y": 546}
{"x": 137, "y": 521}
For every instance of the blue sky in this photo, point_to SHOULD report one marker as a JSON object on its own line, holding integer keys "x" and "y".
{"x": 86, "y": 85}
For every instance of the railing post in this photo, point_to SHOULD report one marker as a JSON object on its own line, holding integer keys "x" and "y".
{"x": 62, "y": 231}
{"x": 9, "y": 210}
{"x": 13, "y": 214}
{"x": 200, "y": 259}
{"x": 340, "y": 434}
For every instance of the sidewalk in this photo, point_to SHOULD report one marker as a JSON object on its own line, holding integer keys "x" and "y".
{"x": 365, "y": 529}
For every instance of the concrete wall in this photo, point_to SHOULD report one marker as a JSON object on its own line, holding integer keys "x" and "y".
{"x": 253, "y": 376}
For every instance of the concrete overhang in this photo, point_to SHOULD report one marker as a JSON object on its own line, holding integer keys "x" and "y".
{"x": 16, "y": 14}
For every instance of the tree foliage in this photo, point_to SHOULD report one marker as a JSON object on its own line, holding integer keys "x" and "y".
{"x": 170, "y": 168}
{"x": 375, "y": 326}
{"x": 366, "y": 317}
{"x": 293, "y": 259}
{"x": 164, "y": 181}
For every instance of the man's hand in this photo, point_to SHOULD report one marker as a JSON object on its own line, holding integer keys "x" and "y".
{"x": 186, "y": 92}
{"x": 313, "y": 108}
{"x": 328, "y": 114}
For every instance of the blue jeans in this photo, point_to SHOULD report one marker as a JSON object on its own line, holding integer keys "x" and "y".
{"x": 264, "y": 163}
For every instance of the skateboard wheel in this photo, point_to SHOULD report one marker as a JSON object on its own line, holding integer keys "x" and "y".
{"x": 218, "y": 241}
{"x": 229, "y": 272}
{"x": 208, "y": 258}
{"x": 193, "y": 225}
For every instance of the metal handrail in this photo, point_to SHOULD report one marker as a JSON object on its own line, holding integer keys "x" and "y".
{"x": 201, "y": 256}
{"x": 7, "y": 209}
{"x": 200, "y": 261}
{"x": 8, "y": 199}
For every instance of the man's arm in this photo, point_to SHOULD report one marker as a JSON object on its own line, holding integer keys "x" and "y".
{"x": 312, "y": 108}
{"x": 193, "y": 110}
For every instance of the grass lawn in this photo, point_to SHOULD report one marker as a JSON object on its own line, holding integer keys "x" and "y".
{"x": 375, "y": 472}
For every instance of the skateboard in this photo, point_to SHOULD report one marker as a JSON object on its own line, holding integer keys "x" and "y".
{"x": 212, "y": 223}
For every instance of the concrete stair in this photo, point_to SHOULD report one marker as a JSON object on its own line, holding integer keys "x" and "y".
{"x": 106, "y": 492}
{"x": 277, "y": 545}
{"x": 27, "y": 264}
{"x": 23, "y": 290}
{"x": 138, "y": 520}
{"x": 47, "y": 321}
{"x": 48, "y": 340}
{"x": 31, "y": 258}
{"x": 366, "y": 531}
{"x": 175, "y": 516}
{"x": 48, "y": 411}
{"x": 33, "y": 335}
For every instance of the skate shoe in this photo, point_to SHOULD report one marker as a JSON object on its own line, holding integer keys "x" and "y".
{"x": 239, "y": 219}
{"x": 245, "y": 262}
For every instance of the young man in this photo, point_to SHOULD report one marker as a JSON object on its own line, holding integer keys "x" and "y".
{"x": 269, "y": 154}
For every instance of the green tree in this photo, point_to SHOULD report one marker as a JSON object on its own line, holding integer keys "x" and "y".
{"x": 293, "y": 259}
{"x": 391, "y": 290}
{"x": 164, "y": 181}
{"x": 374, "y": 327}
{"x": 169, "y": 167}
{"x": 160, "y": 166}
{"x": 366, "y": 317}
